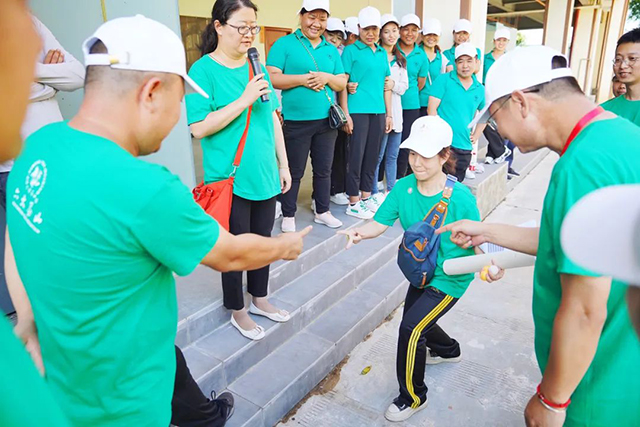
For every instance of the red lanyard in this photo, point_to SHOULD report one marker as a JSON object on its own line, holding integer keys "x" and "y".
{"x": 588, "y": 118}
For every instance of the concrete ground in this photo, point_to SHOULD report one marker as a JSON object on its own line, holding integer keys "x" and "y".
{"x": 498, "y": 373}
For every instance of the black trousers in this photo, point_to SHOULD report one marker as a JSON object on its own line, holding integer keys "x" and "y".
{"x": 364, "y": 149}
{"x": 423, "y": 111}
{"x": 496, "y": 146}
{"x": 339, "y": 167}
{"x": 408, "y": 117}
{"x": 248, "y": 216}
{"x": 463, "y": 160}
{"x": 189, "y": 406}
{"x": 419, "y": 330}
{"x": 302, "y": 138}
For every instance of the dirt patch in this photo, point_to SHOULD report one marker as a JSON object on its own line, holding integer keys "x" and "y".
{"x": 325, "y": 386}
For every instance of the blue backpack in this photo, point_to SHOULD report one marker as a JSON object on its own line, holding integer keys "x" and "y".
{"x": 418, "y": 252}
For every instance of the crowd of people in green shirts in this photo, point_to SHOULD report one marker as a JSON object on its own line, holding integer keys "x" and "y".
{"x": 91, "y": 260}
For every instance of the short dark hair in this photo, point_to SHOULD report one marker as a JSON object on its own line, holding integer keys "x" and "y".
{"x": 632, "y": 36}
{"x": 559, "y": 87}
{"x": 221, "y": 12}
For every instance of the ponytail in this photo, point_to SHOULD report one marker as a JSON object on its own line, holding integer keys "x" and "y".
{"x": 400, "y": 59}
{"x": 221, "y": 12}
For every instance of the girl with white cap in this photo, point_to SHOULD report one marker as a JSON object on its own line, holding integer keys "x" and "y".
{"x": 431, "y": 32}
{"x": 335, "y": 33}
{"x": 421, "y": 340}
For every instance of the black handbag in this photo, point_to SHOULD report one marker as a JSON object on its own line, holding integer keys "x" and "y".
{"x": 337, "y": 117}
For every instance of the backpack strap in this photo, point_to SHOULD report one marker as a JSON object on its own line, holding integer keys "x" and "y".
{"x": 438, "y": 213}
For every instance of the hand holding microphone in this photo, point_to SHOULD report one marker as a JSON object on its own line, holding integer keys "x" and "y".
{"x": 258, "y": 87}
{"x": 254, "y": 63}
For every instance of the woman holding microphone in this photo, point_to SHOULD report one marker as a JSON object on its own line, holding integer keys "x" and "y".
{"x": 224, "y": 73}
{"x": 307, "y": 68}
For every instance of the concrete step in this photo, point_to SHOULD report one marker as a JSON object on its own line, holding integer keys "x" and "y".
{"x": 222, "y": 356}
{"x": 273, "y": 386}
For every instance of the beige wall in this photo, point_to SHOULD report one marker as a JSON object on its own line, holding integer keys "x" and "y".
{"x": 557, "y": 24}
{"x": 580, "y": 55}
{"x": 283, "y": 13}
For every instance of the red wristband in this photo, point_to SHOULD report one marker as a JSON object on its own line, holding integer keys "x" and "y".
{"x": 550, "y": 403}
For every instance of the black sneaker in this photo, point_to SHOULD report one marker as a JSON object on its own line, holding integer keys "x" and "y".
{"x": 513, "y": 172}
{"x": 400, "y": 411}
{"x": 226, "y": 402}
{"x": 434, "y": 359}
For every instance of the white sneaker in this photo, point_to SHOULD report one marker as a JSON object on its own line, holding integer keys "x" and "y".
{"x": 401, "y": 412}
{"x": 313, "y": 205}
{"x": 278, "y": 209}
{"x": 327, "y": 219}
{"x": 374, "y": 202}
{"x": 340, "y": 199}
{"x": 469, "y": 175}
{"x": 359, "y": 210}
{"x": 434, "y": 359}
{"x": 479, "y": 168}
{"x": 288, "y": 225}
{"x": 501, "y": 159}
{"x": 488, "y": 160}
{"x": 380, "y": 185}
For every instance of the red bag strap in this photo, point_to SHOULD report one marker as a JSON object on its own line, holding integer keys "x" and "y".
{"x": 243, "y": 140}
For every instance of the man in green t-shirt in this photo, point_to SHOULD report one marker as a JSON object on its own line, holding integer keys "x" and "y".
{"x": 584, "y": 341}
{"x": 626, "y": 66}
{"x": 98, "y": 233}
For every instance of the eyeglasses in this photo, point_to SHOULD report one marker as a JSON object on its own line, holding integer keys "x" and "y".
{"x": 245, "y": 29}
{"x": 491, "y": 121}
{"x": 630, "y": 61}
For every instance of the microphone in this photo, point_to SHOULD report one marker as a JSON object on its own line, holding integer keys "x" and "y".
{"x": 254, "y": 61}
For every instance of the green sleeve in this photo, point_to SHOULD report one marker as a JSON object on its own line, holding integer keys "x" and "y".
{"x": 338, "y": 67}
{"x": 389, "y": 211}
{"x": 273, "y": 98}
{"x": 424, "y": 67}
{"x": 174, "y": 229}
{"x": 439, "y": 86}
{"x": 199, "y": 107}
{"x": 347, "y": 59}
{"x": 482, "y": 99}
{"x": 278, "y": 54}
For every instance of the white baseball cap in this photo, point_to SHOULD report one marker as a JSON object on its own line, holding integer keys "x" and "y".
{"x": 369, "y": 17}
{"x": 466, "y": 49}
{"x": 137, "y": 43}
{"x": 502, "y": 33}
{"x": 351, "y": 25}
{"x": 386, "y": 18}
{"x": 522, "y": 68}
{"x": 601, "y": 232}
{"x": 463, "y": 25}
{"x": 410, "y": 19}
{"x": 429, "y": 135}
{"x": 334, "y": 24}
{"x": 432, "y": 26}
{"x": 311, "y": 5}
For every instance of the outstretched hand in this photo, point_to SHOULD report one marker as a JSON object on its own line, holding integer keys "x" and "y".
{"x": 466, "y": 234}
{"x": 353, "y": 237}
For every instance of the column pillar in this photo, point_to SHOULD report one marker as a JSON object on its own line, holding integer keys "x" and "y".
{"x": 557, "y": 24}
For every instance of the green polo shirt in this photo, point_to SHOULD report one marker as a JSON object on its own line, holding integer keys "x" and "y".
{"x": 489, "y": 60}
{"x": 408, "y": 205}
{"x": 609, "y": 393}
{"x": 289, "y": 55}
{"x": 417, "y": 67}
{"x": 97, "y": 236}
{"x": 451, "y": 55}
{"x": 621, "y": 106}
{"x": 369, "y": 69}
{"x": 458, "y": 106}
{"x": 22, "y": 386}
{"x": 435, "y": 69}
{"x": 257, "y": 176}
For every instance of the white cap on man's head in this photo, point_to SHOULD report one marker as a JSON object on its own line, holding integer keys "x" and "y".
{"x": 520, "y": 69}
{"x": 429, "y": 135}
{"x": 432, "y": 26}
{"x": 334, "y": 24}
{"x": 369, "y": 17}
{"x": 410, "y": 19}
{"x": 386, "y": 18}
{"x": 502, "y": 33}
{"x": 463, "y": 25}
{"x": 137, "y": 43}
{"x": 311, "y": 5}
{"x": 601, "y": 232}
{"x": 351, "y": 25}
{"x": 466, "y": 49}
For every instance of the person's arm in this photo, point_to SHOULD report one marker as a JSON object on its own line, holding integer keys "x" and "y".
{"x": 344, "y": 104}
{"x": 467, "y": 234}
{"x": 422, "y": 81}
{"x": 475, "y": 136}
{"x": 217, "y": 120}
{"x": 432, "y": 108}
{"x": 246, "y": 252}
{"x": 282, "y": 81}
{"x": 320, "y": 79}
{"x": 281, "y": 154}
{"x": 402, "y": 83}
{"x": 388, "y": 127}
{"x": 370, "y": 230}
{"x": 576, "y": 332}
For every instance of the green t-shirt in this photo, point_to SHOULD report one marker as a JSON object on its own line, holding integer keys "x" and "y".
{"x": 489, "y": 60}
{"x": 417, "y": 67}
{"x": 621, "y": 106}
{"x": 257, "y": 176}
{"x": 406, "y": 203}
{"x": 450, "y": 54}
{"x": 25, "y": 399}
{"x": 609, "y": 393}
{"x": 368, "y": 69}
{"x": 435, "y": 70}
{"x": 97, "y": 235}
{"x": 288, "y": 54}
{"x": 458, "y": 106}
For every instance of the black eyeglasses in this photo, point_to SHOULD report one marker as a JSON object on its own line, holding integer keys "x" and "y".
{"x": 491, "y": 121}
{"x": 245, "y": 29}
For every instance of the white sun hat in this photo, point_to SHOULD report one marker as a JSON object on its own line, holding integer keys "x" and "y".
{"x": 429, "y": 135}
{"x": 386, "y": 18}
{"x": 466, "y": 49}
{"x": 369, "y": 17}
{"x": 502, "y": 33}
{"x": 432, "y": 26}
{"x": 311, "y": 5}
{"x": 351, "y": 25}
{"x": 334, "y": 24}
{"x": 410, "y": 19}
{"x": 463, "y": 25}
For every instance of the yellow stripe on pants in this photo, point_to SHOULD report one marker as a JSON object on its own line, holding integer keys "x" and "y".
{"x": 413, "y": 345}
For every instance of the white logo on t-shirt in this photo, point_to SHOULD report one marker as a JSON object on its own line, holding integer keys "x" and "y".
{"x": 25, "y": 201}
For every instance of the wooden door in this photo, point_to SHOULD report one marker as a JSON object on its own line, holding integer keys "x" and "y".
{"x": 270, "y": 35}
